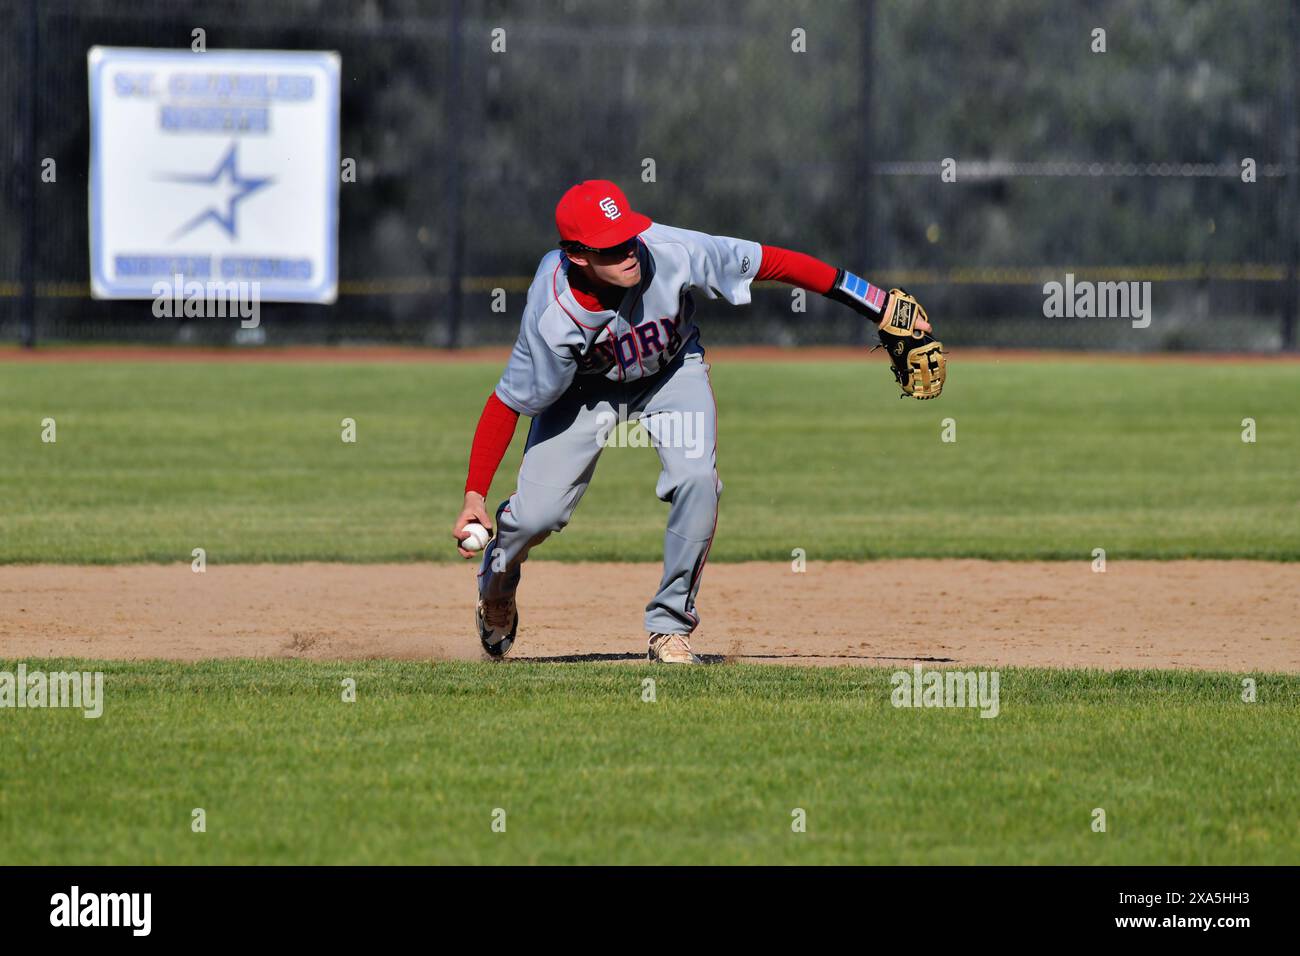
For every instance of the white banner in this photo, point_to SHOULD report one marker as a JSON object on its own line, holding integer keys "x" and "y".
{"x": 218, "y": 167}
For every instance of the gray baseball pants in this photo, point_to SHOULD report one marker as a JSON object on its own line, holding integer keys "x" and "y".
{"x": 677, "y": 410}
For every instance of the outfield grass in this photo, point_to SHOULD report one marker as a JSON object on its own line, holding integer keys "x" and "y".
{"x": 1051, "y": 461}
{"x": 587, "y": 772}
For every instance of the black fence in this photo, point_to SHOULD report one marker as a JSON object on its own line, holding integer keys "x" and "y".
{"x": 971, "y": 151}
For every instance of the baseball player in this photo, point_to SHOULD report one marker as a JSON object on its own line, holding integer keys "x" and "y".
{"x": 607, "y": 335}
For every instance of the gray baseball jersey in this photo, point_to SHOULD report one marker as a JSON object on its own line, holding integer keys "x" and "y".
{"x": 559, "y": 339}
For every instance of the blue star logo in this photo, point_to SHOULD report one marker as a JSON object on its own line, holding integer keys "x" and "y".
{"x": 235, "y": 187}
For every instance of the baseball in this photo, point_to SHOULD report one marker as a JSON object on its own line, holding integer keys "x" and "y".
{"x": 475, "y": 537}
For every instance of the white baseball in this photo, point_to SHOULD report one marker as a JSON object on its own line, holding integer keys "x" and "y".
{"x": 475, "y": 537}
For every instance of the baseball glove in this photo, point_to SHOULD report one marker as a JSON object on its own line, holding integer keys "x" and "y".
{"x": 916, "y": 357}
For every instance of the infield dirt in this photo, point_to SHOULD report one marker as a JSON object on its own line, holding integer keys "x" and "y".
{"x": 1203, "y": 615}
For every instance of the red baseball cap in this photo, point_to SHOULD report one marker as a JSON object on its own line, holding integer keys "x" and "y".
{"x": 595, "y": 213}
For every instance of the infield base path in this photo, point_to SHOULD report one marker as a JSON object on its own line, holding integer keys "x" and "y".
{"x": 1206, "y": 615}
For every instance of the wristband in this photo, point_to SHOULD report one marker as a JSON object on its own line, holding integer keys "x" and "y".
{"x": 858, "y": 294}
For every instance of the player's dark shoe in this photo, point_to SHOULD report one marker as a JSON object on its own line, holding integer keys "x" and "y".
{"x": 497, "y": 623}
{"x": 670, "y": 649}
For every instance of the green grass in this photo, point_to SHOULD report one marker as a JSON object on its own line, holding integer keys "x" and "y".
{"x": 1051, "y": 461}
{"x": 589, "y": 773}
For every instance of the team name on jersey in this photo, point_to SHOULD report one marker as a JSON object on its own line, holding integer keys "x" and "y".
{"x": 639, "y": 347}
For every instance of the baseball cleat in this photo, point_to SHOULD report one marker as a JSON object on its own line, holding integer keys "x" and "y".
{"x": 670, "y": 649}
{"x": 497, "y": 622}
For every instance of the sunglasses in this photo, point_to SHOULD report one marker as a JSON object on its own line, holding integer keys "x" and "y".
{"x": 622, "y": 250}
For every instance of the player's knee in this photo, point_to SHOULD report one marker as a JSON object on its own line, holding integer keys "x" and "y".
{"x": 538, "y": 522}
{"x": 701, "y": 483}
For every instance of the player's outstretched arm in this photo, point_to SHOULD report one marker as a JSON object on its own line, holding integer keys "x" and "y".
{"x": 496, "y": 426}
{"x": 839, "y": 285}
{"x": 916, "y": 358}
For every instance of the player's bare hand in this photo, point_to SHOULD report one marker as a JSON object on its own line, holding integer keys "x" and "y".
{"x": 475, "y": 509}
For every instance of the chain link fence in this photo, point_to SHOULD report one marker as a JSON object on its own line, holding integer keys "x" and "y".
{"x": 972, "y": 152}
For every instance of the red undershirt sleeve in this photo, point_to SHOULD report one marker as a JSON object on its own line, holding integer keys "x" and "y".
{"x": 796, "y": 268}
{"x": 496, "y": 426}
